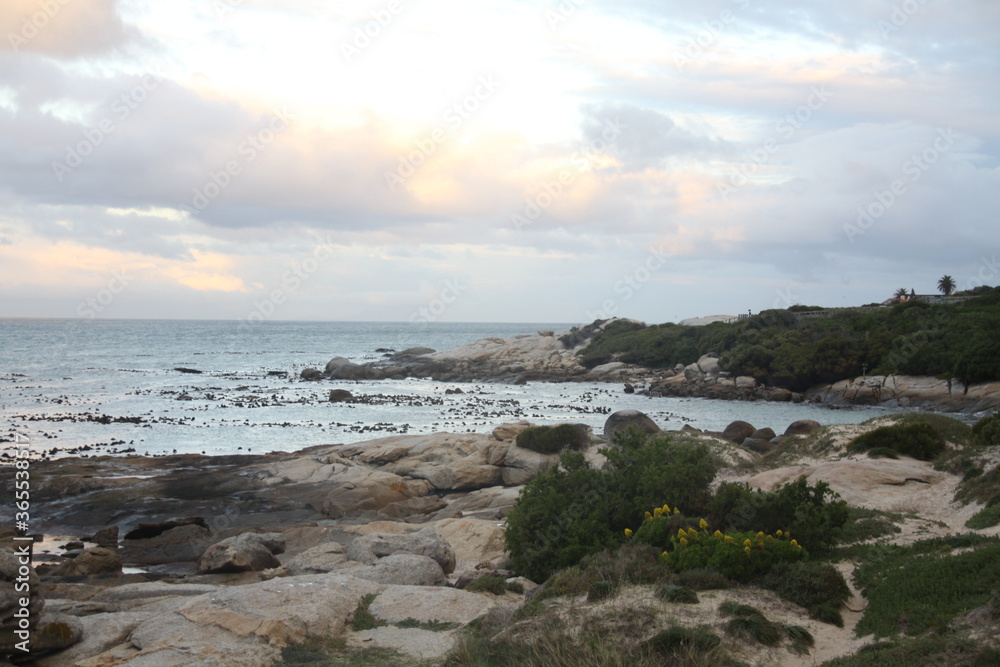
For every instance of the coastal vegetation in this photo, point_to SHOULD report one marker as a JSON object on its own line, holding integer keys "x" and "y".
{"x": 803, "y": 346}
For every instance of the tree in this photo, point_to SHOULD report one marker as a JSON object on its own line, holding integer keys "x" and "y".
{"x": 946, "y": 285}
{"x": 901, "y": 294}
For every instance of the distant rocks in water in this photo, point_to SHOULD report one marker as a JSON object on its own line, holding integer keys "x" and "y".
{"x": 341, "y": 396}
{"x": 181, "y": 369}
{"x": 96, "y": 560}
{"x": 144, "y": 531}
{"x": 106, "y": 537}
{"x": 623, "y": 419}
{"x": 906, "y": 391}
{"x": 629, "y": 388}
{"x": 277, "y": 374}
{"x": 311, "y": 374}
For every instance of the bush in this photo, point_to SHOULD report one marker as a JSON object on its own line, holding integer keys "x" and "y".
{"x": 814, "y": 515}
{"x": 987, "y": 517}
{"x": 488, "y": 582}
{"x": 572, "y": 510}
{"x": 551, "y": 439}
{"x": 703, "y": 579}
{"x": 676, "y": 642}
{"x": 632, "y": 564}
{"x": 819, "y": 587}
{"x": 986, "y": 431}
{"x": 681, "y": 594}
{"x": 919, "y": 440}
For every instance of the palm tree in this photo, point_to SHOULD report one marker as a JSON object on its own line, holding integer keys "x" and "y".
{"x": 901, "y": 294}
{"x": 946, "y": 285}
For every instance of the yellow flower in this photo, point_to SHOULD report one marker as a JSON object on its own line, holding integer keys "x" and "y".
{"x": 769, "y": 538}
{"x": 648, "y": 517}
{"x": 703, "y": 524}
{"x": 795, "y": 544}
{"x": 681, "y": 533}
{"x": 628, "y": 532}
{"x": 684, "y": 541}
{"x": 718, "y": 533}
{"x": 759, "y": 535}
{"x": 747, "y": 543}
{"x": 666, "y": 509}
{"x": 729, "y": 538}
{"x": 778, "y": 532}
{"x": 676, "y": 511}
{"x": 657, "y": 513}
{"x": 746, "y": 550}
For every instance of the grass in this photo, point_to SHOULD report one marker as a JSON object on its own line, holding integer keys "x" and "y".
{"x": 950, "y": 429}
{"x": 987, "y": 517}
{"x": 865, "y": 524}
{"x": 984, "y": 487}
{"x": 488, "y": 582}
{"x": 681, "y": 594}
{"x": 362, "y": 619}
{"x": 952, "y": 650}
{"x": 926, "y": 586}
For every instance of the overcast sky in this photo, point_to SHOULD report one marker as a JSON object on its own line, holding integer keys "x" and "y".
{"x": 492, "y": 161}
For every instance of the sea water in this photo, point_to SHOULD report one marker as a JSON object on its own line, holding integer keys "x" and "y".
{"x": 94, "y": 387}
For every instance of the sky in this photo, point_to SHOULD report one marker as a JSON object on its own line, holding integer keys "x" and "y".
{"x": 494, "y": 161}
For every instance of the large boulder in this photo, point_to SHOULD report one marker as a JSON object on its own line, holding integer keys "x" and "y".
{"x": 337, "y": 363}
{"x": 765, "y": 433}
{"x": 325, "y": 557}
{"x": 55, "y": 632}
{"x": 802, "y": 427}
{"x": 106, "y": 537}
{"x": 181, "y": 544}
{"x": 96, "y": 560}
{"x": 403, "y": 569}
{"x": 521, "y": 465}
{"x": 473, "y": 540}
{"x": 311, "y": 374}
{"x": 370, "y": 548}
{"x": 249, "y": 552}
{"x": 738, "y": 431}
{"x": 623, "y": 419}
{"x": 341, "y": 396}
{"x": 709, "y": 364}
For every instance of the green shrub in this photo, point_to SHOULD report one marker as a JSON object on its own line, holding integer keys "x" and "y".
{"x": 488, "y": 582}
{"x": 572, "y": 510}
{"x": 739, "y": 556}
{"x": 813, "y": 515}
{"x": 919, "y": 440}
{"x": 600, "y": 590}
{"x": 987, "y": 517}
{"x": 749, "y": 622}
{"x": 632, "y": 564}
{"x": 925, "y": 586}
{"x": 819, "y": 587}
{"x": 362, "y": 619}
{"x": 703, "y": 579}
{"x": 986, "y": 431}
{"x": 865, "y": 524}
{"x": 551, "y": 439}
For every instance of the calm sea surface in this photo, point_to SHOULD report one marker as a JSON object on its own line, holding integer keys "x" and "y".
{"x": 108, "y": 386}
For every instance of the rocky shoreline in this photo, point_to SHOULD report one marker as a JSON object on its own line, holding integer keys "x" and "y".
{"x": 190, "y": 560}
{"x": 553, "y": 357}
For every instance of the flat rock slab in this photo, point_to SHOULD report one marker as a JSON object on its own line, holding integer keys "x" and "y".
{"x": 424, "y": 604}
{"x": 414, "y": 642}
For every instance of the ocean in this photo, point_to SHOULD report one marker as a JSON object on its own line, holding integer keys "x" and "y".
{"x": 108, "y": 387}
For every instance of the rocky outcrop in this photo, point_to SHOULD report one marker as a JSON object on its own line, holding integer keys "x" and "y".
{"x": 907, "y": 391}
{"x": 96, "y": 560}
{"x": 249, "y": 552}
{"x": 624, "y": 419}
{"x": 369, "y": 549}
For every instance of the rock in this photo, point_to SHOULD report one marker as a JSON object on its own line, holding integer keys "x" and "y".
{"x": 144, "y": 592}
{"x": 145, "y": 531}
{"x": 779, "y": 395}
{"x": 621, "y": 420}
{"x": 369, "y": 548}
{"x": 96, "y": 560}
{"x": 340, "y": 396}
{"x": 11, "y": 568}
{"x": 693, "y": 373}
{"x": 521, "y": 465}
{"x": 454, "y": 390}
{"x": 187, "y": 370}
{"x": 759, "y": 445}
{"x": 249, "y": 552}
{"x": 473, "y": 540}
{"x": 738, "y": 431}
{"x": 311, "y": 374}
{"x": 322, "y": 558}
{"x": 403, "y": 569}
{"x": 447, "y": 605}
{"x": 802, "y": 427}
{"x": 412, "y": 506}
{"x": 411, "y": 352}
{"x": 629, "y": 388}
{"x": 763, "y": 434}
{"x": 709, "y": 364}
{"x": 508, "y": 432}
{"x": 745, "y": 382}
{"x": 336, "y": 363}
{"x": 106, "y": 537}
{"x": 73, "y": 546}
{"x": 176, "y": 545}
{"x": 55, "y": 632}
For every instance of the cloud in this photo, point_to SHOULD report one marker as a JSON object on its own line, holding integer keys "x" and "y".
{"x": 63, "y": 29}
